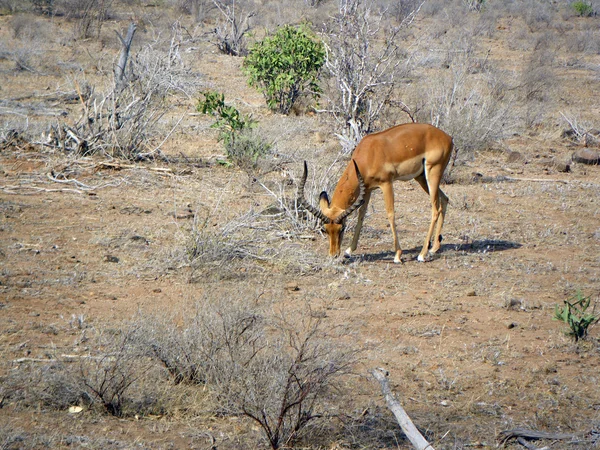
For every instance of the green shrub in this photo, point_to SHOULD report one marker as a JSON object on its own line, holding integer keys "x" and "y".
{"x": 575, "y": 314}
{"x": 243, "y": 146}
{"x": 230, "y": 121}
{"x": 583, "y": 8}
{"x": 285, "y": 65}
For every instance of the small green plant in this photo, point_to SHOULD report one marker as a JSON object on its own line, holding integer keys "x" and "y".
{"x": 243, "y": 146}
{"x": 575, "y": 314}
{"x": 286, "y": 65}
{"x": 583, "y": 8}
{"x": 230, "y": 121}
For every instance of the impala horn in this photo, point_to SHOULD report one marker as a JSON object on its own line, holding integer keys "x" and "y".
{"x": 302, "y": 201}
{"x": 359, "y": 201}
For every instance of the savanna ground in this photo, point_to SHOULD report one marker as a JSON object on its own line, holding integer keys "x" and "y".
{"x": 468, "y": 337}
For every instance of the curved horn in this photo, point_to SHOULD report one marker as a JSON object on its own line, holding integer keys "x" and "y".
{"x": 302, "y": 201}
{"x": 358, "y": 202}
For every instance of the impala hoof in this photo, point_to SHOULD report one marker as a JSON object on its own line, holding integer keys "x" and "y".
{"x": 348, "y": 252}
{"x": 422, "y": 259}
{"x": 397, "y": 259}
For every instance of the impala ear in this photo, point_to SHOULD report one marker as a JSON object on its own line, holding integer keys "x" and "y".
{"x": 323, "y": 201}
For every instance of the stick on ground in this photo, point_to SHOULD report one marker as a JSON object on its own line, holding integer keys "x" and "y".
{"x": 408, "y": 427}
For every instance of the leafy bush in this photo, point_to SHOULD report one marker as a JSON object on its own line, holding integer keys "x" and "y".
{"x": 230, "y": 122}
{"x": 243, "y": 146}
{"x": 583, "y": 8}
{"x": 285, "y": 65}
{"x": 575, "y": 314}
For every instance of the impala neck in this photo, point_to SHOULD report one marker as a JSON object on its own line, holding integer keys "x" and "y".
{"x": 347, "y": 190}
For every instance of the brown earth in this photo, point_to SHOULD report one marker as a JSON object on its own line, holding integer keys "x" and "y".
{"x": 468, "y": 338}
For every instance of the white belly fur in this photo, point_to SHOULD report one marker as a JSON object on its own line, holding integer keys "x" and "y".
{"x": 406, "y": 170}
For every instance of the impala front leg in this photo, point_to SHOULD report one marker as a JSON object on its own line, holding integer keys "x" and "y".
{"x": 361, "y": 215}
{"x": 388, "y": 198}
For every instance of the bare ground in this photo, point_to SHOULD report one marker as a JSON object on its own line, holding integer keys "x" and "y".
{"x": 468, "y": 338}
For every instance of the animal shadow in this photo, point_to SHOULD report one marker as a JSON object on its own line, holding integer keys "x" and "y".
{"x": 482, "y": 246}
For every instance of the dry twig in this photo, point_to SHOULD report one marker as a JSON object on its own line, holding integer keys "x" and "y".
{"x": 407, "y": 425}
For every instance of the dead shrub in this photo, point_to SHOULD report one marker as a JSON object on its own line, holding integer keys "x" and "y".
{"x": 276, "y": 371}
{"x": 537, "y": 79}
{"x": 362, "y": 72}
{"x": 89, "y": 15}
{"x": 121, "y": 120}
{"x": 235, "y": 24}
{"x": 474, "y": 108}
{"x": 28, "y": 27}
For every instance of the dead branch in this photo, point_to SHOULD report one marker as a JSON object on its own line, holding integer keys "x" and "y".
{"x": 15, "y": 190}
{"x": 408, "y": 427}
{"x": 522, "y": 433}
{"x": 122, "y": 64}
{"x": 119, "y": 166}
{"x": 537, "y": 180}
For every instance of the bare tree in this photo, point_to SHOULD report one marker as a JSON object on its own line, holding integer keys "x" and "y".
{"x": 121, "y": 119}
{"x": 231, "y": 34}
{"x": 364, "y": 60}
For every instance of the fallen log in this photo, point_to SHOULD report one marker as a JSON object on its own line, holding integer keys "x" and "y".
{"x": 407, "y": 425}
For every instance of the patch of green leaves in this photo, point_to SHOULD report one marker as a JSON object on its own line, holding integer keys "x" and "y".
{"x": 286, "y": 65}
{"x": 575, "y": 314}
{"x": 583, "y": 8}
{"x": 243, "y": 146}
{"x": 229, "y": 121}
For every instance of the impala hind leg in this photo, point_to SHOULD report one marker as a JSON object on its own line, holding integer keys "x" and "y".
{"x": 359, "y": 223}
{"x": 430, "y": 182}
{"x": 388, "y": 198}
{"x": 437, "y": 241}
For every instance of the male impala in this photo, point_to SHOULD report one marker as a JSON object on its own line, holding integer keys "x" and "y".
{"x": 403, "y": 152}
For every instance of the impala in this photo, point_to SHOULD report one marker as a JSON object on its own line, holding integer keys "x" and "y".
{"x": 404, "y": 152}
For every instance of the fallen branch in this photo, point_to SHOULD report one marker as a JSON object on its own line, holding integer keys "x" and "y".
{"x": 15, "y": 189}
{"x": 79, "y": 184}
{"x": 522, "y": 433}
{"x": 537, "y": 180}
{"x": 408, "y": 427}
{"x": 119, "y": 166}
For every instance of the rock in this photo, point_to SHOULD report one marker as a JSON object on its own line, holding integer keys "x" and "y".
{"x": 514, "y": 157}
{"x": 292, "y": 287}
{"x": 111, "y": 259}
{"x": 562, "y": 165}
{"x": 587, "y": 156}
{"x": 512, "y": 325}
{"x": 471, "y": 293}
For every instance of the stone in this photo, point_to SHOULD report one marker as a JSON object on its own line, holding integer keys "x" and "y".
{"x": 587, "y": 156}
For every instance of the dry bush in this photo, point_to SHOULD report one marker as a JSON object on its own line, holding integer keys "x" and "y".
{"x": 12, "y": 6}
{"x": 124, "y": 121}
{"x": 89, "y": 15}
{"x": 24, "y": 55}
{"x": 259, "y": 364}
{"x": 198, "y": 9}
{"x": 581, "y": 131}
{"x": 254, "y": 242}
{"x": 235, "y": 24}
{"x": 537, "y": 78}
{"x": 111, "y": 375}
{"x": 364, "y": 60}
{"x": 29, "y": 27}
{"x": 471, "y": 102}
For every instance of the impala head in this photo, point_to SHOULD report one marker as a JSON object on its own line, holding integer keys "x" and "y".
{"x": 332, "y": 217}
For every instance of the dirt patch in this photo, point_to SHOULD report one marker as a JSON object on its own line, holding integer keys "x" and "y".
{"x": 468, "y": 338}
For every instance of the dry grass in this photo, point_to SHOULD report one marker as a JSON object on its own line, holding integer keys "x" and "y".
{"x": 468, "y": 338}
